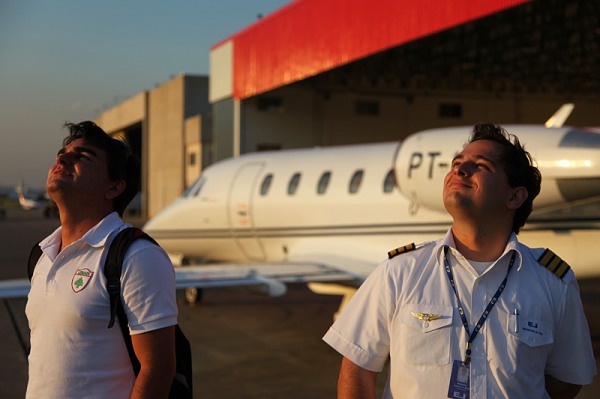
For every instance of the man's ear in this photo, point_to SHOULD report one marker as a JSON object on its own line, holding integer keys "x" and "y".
{"x": 115, "y": 189}
{"x": 517, "y": 198}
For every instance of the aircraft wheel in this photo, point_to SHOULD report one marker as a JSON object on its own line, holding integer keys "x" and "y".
{"x": 193, "y": 295}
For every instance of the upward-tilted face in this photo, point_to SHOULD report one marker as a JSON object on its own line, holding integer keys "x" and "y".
{"x": 477, "y": 184}
{"x": 80, "y": 168}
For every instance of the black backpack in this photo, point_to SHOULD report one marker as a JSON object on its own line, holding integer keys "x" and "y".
{"x": 181, "y": 386}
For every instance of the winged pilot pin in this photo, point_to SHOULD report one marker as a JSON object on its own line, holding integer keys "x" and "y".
{"x": 426, "y": 317}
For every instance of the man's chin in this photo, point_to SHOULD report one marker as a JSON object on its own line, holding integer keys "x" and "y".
{"x": 456, "y": 203}
{"x": 54, "y": 186}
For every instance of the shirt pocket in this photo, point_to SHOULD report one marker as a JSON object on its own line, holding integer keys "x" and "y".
{"x": 529, "y": 342}
{"x": 425, "y": 332}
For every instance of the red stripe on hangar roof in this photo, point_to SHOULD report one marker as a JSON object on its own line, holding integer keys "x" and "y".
{"x": 308, "y": 37}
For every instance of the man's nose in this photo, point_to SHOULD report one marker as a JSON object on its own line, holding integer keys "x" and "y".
{"x": 463, "y": 169}
{"x": 64, "y": 159}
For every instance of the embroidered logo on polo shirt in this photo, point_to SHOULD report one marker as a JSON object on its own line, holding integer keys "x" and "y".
{"x": 81, "y": 279}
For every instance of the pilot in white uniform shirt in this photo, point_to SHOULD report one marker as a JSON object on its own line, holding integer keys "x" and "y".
{"x": 407, "y": 312}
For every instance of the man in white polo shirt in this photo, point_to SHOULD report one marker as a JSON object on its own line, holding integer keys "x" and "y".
{"x": 476, "y": 314}
{"x": 73, "y": 353}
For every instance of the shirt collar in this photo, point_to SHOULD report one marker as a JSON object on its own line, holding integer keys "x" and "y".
{"x": 95, "y": 237}
{"x": 51, "y": 244}
{"x": 511, "y": 245}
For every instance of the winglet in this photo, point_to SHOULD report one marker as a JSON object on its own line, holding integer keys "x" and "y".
{"x": 560, "y": 116}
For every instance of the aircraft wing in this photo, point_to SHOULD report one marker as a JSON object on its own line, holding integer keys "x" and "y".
{"x": 269, "y": 277}
{"x": 14, "y": 288}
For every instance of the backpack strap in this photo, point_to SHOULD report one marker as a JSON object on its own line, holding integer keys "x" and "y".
{"x": 112, "y": 272}
{"x": 34, "y": 256}
{"x": 114, "y": 263}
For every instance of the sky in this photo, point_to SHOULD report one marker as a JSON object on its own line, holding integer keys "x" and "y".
{"x": 69, "y": 60}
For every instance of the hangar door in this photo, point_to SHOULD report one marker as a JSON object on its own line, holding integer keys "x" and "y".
{"x": 241, "y": 221}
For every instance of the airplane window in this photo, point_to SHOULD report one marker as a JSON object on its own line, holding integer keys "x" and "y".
{"x": 195, "y": 188}
{"x": 323, "y": 182}
{"x": 389, "y": 182}
{"x": 580, "y": 139}
{"x": 355, "y": 181}
{"x": 198, "y": 187}
{"x": 293, "y": 185}
{"x": 266, "y": 184}
{"x": 187, "y": 192}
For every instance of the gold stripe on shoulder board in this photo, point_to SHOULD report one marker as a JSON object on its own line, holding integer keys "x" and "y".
{"x": 554, "y": 263}
{"x": 401, "y": 250}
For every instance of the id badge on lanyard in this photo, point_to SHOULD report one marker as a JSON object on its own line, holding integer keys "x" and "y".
{"x": 459, "y": 380}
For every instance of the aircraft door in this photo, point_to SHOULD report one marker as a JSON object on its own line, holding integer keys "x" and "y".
{"x": 241, "y": 193}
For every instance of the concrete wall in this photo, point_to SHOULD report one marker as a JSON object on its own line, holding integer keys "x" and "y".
{"x": 196, "y": 96}
{"x": 221, "y": 72}
{"x": 172, "y": 108}
{"x": 165, "y": 144}
{"x": 121, "y": 116}
{"x": 193, "y": 149}
{"x": 292, "y": 125}
{"x": 170, "y": 122}
{"x": 222, "y": 131}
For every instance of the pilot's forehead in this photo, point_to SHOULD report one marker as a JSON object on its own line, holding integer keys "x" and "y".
{"x": 80, "y": 146}
{"x": 481, "y": 149}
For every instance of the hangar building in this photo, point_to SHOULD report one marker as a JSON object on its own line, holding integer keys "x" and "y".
{"x": 331, "y": 72}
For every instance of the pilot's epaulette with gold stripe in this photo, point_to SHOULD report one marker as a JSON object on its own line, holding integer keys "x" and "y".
{"x": 554, "y": 263}
{"x": 401, "y": 250}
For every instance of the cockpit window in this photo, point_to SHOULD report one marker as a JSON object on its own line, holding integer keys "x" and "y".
{"x": 389, "y": 182}
{"x": 293, "y": 185}
{"x": 355, "y": 181}
{"x": 195, "y": 188}
{"x": 266, "y": 184}
{"x": 580, "y": 139}
{"x": 323, "y": 182}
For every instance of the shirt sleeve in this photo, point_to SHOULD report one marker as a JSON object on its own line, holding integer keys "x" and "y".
{"x": 572, "y": 358}
{"x": 148, "y": 288}
{"x": 361, "y": 332}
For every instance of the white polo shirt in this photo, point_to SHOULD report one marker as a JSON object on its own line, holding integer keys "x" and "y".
{"x": 73, "y": 353}
{"x": 553, "y": 336}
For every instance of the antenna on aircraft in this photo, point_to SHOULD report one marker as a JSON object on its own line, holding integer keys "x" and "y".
{"x": 560, "y": 116}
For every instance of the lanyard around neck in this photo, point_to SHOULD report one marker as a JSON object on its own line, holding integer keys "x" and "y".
{"x": 488, "y": 308}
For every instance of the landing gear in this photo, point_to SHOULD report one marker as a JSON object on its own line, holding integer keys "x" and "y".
{"x": 193, "y": 295}
{"x": 347, "y": 293}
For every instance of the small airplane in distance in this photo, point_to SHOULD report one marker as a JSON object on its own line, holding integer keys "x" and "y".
{"x": 328, "y": 216}
{"x": 29, "y": 203}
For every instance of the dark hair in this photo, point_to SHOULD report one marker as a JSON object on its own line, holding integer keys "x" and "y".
{"x": 518, "y": 166}
{"x": 121, "y": 163}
